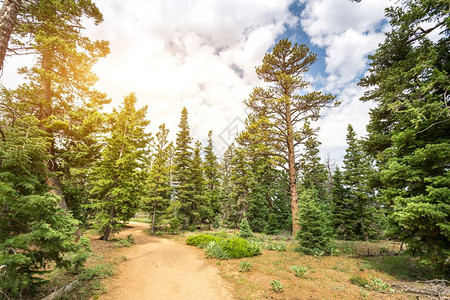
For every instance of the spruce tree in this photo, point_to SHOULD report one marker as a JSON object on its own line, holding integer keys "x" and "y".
{"x": 118, "y": 178}
{"x": 212, "y": 176}
{"x": 158, "y": 181}
{"x": 362, "y": 213}
{"x": 184, "y": 196}
{"x": 201, "y": 208}
{"x": 341, "y": 206}
{"x": 409, "y": 128}
{"x": 245, "y": 230}
{"x": 316, "y": 234}
{"x": 35, "y": 234}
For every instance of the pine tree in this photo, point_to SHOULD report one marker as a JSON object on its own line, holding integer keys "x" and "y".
{"x": 212, "y": 176}
{"x": 158, "y": 181}
{"x": 316, "y": 234}
{"x": 280, "y": 108}
{"x": 182, "y": 206}
{"x": 59, "y": 88}
{"x": 201, "y": 208}
{"x": 34, "y": 233}
{"x": 119, "y": 177}
{"x": 361, "y": 211}
{"x": 341, "y": 206}
{"x": 245, "y": 230}
{"x": 409, "y": 128}
{"x": 313, "y": 174}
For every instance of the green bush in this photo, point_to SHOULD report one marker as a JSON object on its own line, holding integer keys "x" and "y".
{"x": 244, "y": 266}
{"x": 214, "y": 249}
{"x": 197, "y": 240}
{"x": 245, "y": 229}
{"x": 358, "y": 280}
{"x": 224, "y": 248}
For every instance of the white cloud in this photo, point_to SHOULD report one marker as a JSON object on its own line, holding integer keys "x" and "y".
{"x": 198, "y": 54}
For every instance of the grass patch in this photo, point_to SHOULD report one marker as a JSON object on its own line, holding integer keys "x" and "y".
{"x": 277, "y": 246}
{"x": 402, "y": 267}
{"x": 245, "y": 266}
{"x": 299, "y": 271}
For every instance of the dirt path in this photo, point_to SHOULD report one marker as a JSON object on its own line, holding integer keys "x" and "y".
{"x": 158, "y": 268}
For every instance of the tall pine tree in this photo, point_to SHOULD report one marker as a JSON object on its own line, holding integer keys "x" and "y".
{"x": 118, "y": 178}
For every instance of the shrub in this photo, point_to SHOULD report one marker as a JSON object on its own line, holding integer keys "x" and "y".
{"x": 128, "y": 242}
{"x": 276, "y": 286}
{"x": 245, "y": 229}
{"x": 279, "y": 247}
{"x": 358, "y": 280}
{"x": 224, "y": 248}
{"x": 197, "y": 240}
{"x": 244, "y": 266}
{"x": 214, "y": 249}
{"x": 216, "y": 222}
{"x": 299, "y": 271}
{"x": 377, "y": 284}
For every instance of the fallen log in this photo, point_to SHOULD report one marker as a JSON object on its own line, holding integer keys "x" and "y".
{"x": 65, "y": 289}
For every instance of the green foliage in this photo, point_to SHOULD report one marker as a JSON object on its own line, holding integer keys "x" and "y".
{"x": 197, "y": 240}
{"x": 375, "y": 284}
{"x": 316, "y": 235}
{"x": 216, "y": 222}
{"x": 276, "y": 286}
{"x": 360, "y": 281}
{"x": 225, "y": 248}
{"x": 299, "y": 271}
{"x": 117, "y": 179}
{"x": 245, "y": 230}
{"x": 128, "y": 242}
{"x": 408, "y": 130}
{"x": 245, "y": 266}
{"x": 212, "y": 176}
{"x": 277, "y": 246}
{"x": 34, "y": 232}
{"x": 272, "y": 226}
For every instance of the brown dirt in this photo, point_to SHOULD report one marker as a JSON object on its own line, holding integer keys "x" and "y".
{"x": 158, "y": 268}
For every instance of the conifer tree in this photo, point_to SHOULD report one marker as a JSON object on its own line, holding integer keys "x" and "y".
{"x": 119, "y": 177}
{"x": 361, "y": 211}
{"x": 312, "y": 172}
{"x": 212, "y": 176}
{"x": 184, "y": 195}
{"x": 280, "y": 108}
{"x": 34, "y": 232}
{"x": 59, "y": 88}
{"x": 341, "y": 206}
{"x": 201, "y": 208}
{"x": 316, "y": 234}
{"x": 158, "y": 182}
{"x": 245, "y": 230}
{"x": 409, "y": 128}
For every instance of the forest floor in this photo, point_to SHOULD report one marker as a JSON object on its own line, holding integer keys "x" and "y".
{"x": 167, "y": 268}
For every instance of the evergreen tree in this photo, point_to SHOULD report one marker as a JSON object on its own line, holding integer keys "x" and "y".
{"x": 316, "y": 234}
{"x": 201, "y": 208}
{"x": 211, "y": 171}
{"x": 245, "y": 230}
{"x": 118, "y": 179}
{"x": 59, "y": 88}
{"x": 227, "y": 204}
{"x": 341, "y": 206}
{"x": 279, "y": 109}
{"x": 184, "y": 195}
{"x": 409, "y": 128}
{"x": 362, "y": 213}
{"x": 34, "y": 233}
{"x": 272, "y": 226}
{"x": 312, "y": 172}
{"x": 158, "y": 181}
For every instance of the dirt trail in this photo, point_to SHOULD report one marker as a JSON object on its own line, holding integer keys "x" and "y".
{"x": 158, "y": 268}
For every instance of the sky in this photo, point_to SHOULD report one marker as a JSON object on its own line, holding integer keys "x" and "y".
{"x": 202, "y": 54}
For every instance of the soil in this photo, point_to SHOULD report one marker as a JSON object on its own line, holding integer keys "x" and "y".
{"x": 158, "y": 268}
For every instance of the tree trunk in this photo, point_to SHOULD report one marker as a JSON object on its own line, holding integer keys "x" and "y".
{"x": 292, "y": 173}
{"x": 8, "y": 16}
{"x": 154, "y": 218}
{"x": 108, "y": 230}
{"x": 45, "y": 111}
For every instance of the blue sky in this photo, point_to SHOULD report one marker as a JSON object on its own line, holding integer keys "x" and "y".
{"x": 202, "y": 54}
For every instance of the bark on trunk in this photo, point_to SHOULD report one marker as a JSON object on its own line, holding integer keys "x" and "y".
{"x": 108, "y": 230}
{"x": 292, "y": 173}
{"x": 154, "y": 218}
{"x": 45, "y": 111}
{"x": 8, "y": 16}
